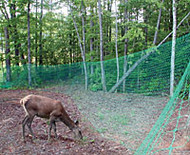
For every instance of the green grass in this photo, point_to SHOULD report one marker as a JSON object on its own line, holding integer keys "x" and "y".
{"x": 120, "y": 119}
{"x": 102, "y": 130}
{"x": 100, "y": 115}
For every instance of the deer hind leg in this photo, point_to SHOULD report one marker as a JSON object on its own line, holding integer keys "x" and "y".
{"x": 23, "y": 125}
{"x": 29, "y": 123}
{"x": 52, "y": 124}
{"x": 27, "y": 120}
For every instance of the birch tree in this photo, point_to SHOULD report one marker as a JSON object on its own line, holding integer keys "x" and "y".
{"x": 103, "y": 79}
{"x": 116, "y": 34}
{"x": 81, "y": 48}
{"x": 173, "y": 50}
{"x": 83, "y": 51}
{"x": 7, "y": 40}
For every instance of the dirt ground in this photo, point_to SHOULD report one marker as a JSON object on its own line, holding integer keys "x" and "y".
{"x": 125, "y": 118}
{"x": 12, "y": 114}
{"x": 111, "y": 123}
{"x": 128, "y": 118}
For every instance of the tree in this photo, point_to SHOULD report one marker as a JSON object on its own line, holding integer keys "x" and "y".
{"x": 29, "y": 45}
{"x": 2, "y": 58}
{"x": 101, "y": 47}
{"x": 126, "y": 43}
{"x": 81, "y": 48}
{"x": 40, "y": 39}
{"x": 158, "y": 25}
{"x": 84, "y": 40}
{"x": 36, "y": 35}
{"x": 7, "y": 54}
{"x": 7, "y": 41}
{"x": 15, "y": 32}
{"x": 116, "y": 35}
{"x": 91, "y": 38}
{"x": 173, "y": 50}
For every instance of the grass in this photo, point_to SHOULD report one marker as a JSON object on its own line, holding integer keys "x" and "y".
{"x": 120, "y": 119}
{"x": 102, "y": 130}
{"x": 126, "y": 133}
{"x": 100, "y": 115}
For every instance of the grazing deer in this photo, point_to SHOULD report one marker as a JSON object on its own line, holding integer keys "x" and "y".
{"x": 44, "y": 107}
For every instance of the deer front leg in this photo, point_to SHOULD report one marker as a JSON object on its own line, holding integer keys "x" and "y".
{"x": 54, "y": 128}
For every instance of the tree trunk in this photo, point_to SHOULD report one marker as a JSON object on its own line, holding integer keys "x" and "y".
{"x": 36, "y": 35}
{"x": 146, "y": 27}
{"x": 40, "y": 40}
{"x": 101, "y": 47}
{"x": 126, "y": 45}
{"x": 173, "y": 50}
{"x": 83, "y": 26}
{"x": 29, "y": 43}
{"x": 71, "y": 45}
{"x": 2, "y": 58}
{"x": 81, "y": 48}
{"x": 158, "y": 25}
{"x": 92, "y": 40}
{"x": 15, "y": 33}
{"x": 116, "y": 34}
{"x": 110, "y": 25}
{"x": 7, "y": 55}
{"x": 83, "y": 52}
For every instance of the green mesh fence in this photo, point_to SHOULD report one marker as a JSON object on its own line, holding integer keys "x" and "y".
{"x": 151, "y": 77}
{"x": 169, "y": 123}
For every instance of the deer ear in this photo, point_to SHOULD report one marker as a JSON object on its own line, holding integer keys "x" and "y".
{"x": 76, "y": 122}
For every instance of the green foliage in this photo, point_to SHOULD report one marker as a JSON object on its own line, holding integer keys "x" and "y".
{"x": 95, "y": 80}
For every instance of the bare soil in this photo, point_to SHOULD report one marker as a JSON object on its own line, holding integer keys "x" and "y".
{"x": 124, "y": 118}
{"x": 12, "y": 114}
{"x": 128, "y": 118}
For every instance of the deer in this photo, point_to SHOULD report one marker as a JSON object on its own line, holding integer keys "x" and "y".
{"x": 44, "y": 107}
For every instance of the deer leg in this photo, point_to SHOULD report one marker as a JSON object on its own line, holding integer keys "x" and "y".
{"x": 54, "y": 128}
{"x": 52, "y": 120}
{"x": 27, "y": 117}
{"x": 29, "y": 123}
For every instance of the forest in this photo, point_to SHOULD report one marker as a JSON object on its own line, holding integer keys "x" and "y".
{"x": 55, "y": 32}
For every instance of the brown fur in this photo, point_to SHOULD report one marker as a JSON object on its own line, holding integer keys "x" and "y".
{"x": 44, "y": 107}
